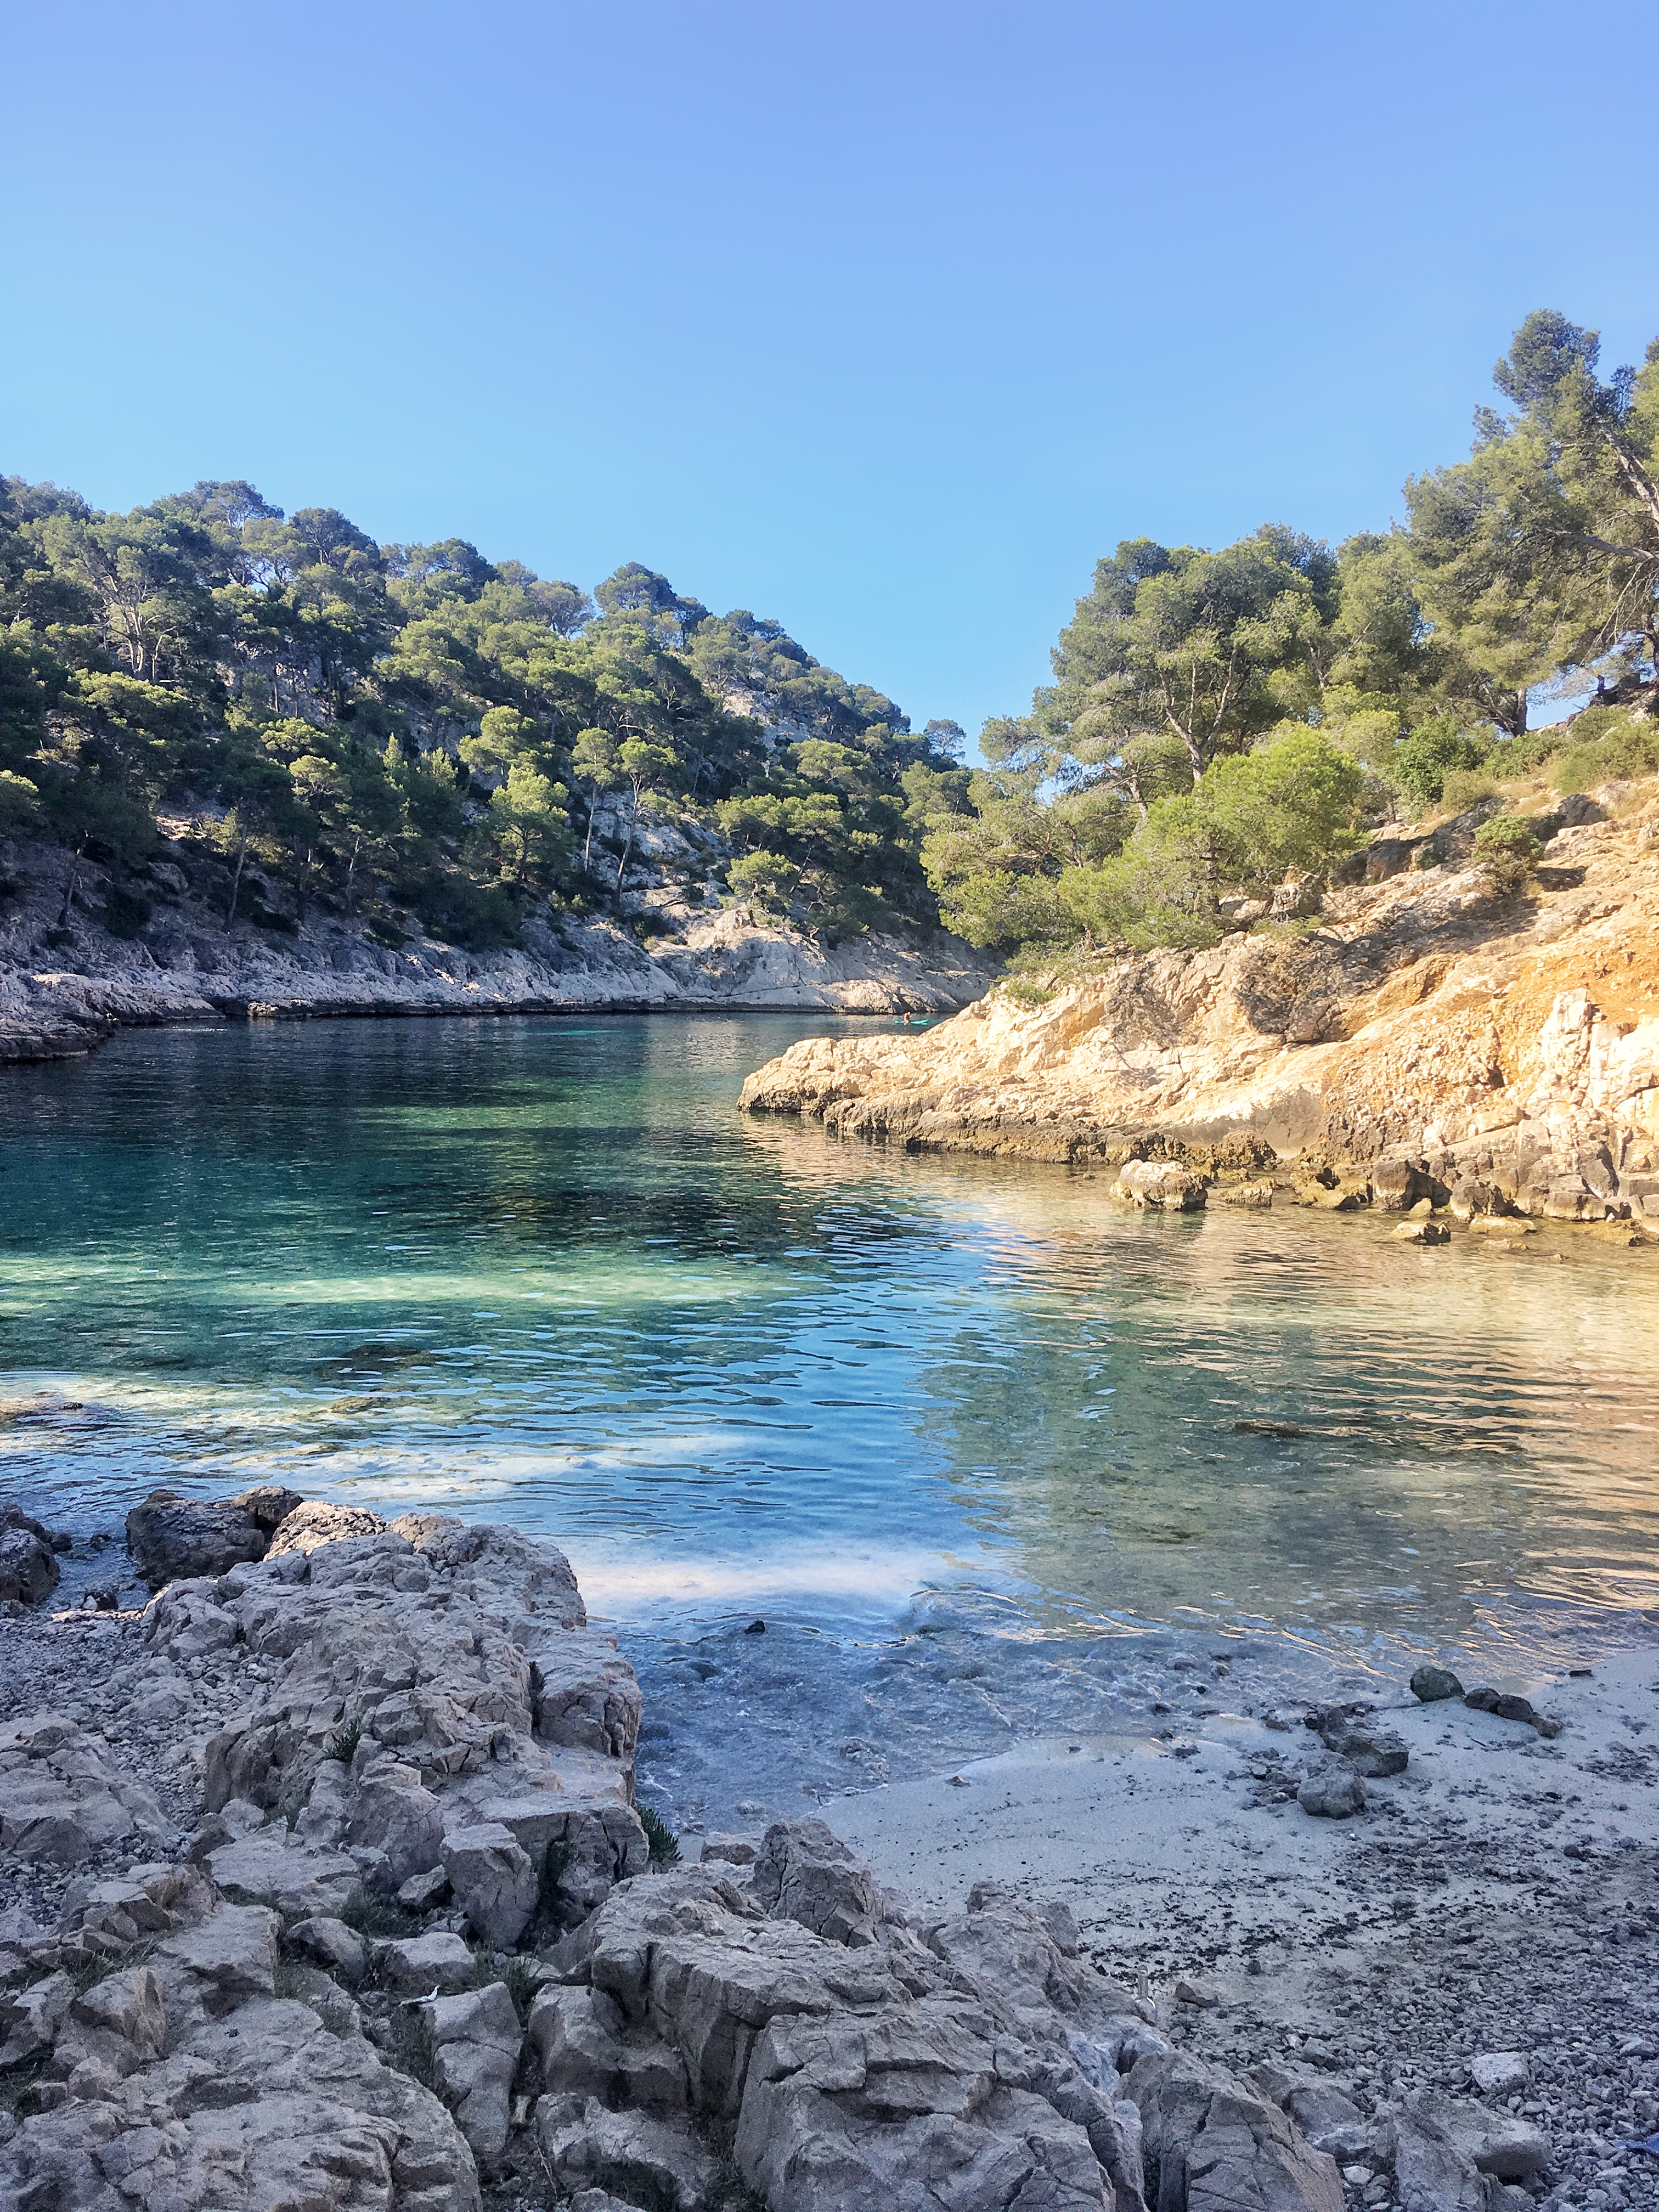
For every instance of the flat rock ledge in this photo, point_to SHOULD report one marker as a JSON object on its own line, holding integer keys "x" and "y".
{"x": 414, "y": 1951}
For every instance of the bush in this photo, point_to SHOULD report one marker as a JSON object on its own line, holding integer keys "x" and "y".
{"x": 343, "y": 1744}
{"x": 1607, "y": 747}
{"x": 1506, "y": 848}
{"x": 1436, "y": 748}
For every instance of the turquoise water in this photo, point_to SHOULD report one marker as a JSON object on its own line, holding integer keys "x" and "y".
{"x": 968, "y": 1438}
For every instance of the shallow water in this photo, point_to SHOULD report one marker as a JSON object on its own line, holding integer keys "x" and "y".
{"x": 986, "y": 1452}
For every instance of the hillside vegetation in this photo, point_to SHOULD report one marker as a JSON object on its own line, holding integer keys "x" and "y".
{"x": 1219, "y": 722}
{"x": 424, "y": 739}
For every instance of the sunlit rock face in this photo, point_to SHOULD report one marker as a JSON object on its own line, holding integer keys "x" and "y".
{"x": 1425, "y": 1017}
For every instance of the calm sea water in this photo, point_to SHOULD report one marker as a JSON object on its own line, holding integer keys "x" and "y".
{"x": 984, "y": 1452}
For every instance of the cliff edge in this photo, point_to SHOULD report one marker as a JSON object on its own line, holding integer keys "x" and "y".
{"x": 1423, "y": 1018}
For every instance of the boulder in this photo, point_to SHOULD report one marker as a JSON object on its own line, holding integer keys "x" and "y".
{"x": 642, "y": 2160}
{"x": 1430, "y": 1684}
{"x": 476, "y": 2038}
{"x": 286, "y": 1871}
{"x": 1370, "y": 1750}
{"x": 392, "y": 1811}
{"x": 404, "y": 1702}
{"x": 584, "y": 1693}
{"x": 256, "y": 2103}
{"x": 29, "y": 2021}
{"x": 1168, "y": 1185}
{"x": 1398, "y": 1185}
{"x": 1472, "y": 1198}
{"x": 235, "y": 1951}
{"x": 1425, "y": 1231}
{"x": 28, "y": 1563}
{"x": 806, "y": 1874}
{"x": 437, "y": 1965}
{"x": 423, "y": 1892}
{"x": 309, "y": 1526}
{"x": 334, "y": 1946}
{"x": 907, "y": 2107}
{"x": 173, "y": 1538}
{"x": 1210, "y": 2144}
{"x": 732, "y": 1850}
{"x": 1442, "y": 2146}
{"x": 1334, "y": 1794}
{"x": 1500, "y": 2073}
{"x": 493, "y": 1879}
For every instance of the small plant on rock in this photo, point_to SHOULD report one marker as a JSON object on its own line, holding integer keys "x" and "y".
{"x": 663, "y": 1843}
{"x": 376, "y": 1916}
{"x": 1506, "y": 848}
{"x": 343, "y": 1744}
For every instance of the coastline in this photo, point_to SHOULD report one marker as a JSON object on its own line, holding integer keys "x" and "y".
{"x": 1423, "y": 1035}
{"x": 1492, "y": 1902}
{"x": 66, "y": 988}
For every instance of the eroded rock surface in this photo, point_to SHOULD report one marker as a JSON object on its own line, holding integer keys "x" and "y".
{"x": 1489, "y": 1052}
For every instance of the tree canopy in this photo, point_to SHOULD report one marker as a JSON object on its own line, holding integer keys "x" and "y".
{"x": 1219, "y": 719}
{"x": 415, "y": 733}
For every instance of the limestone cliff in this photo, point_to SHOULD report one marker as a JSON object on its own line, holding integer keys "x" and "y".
{"x": 65, "y": 982}
{"x": 1424, "y": 1016}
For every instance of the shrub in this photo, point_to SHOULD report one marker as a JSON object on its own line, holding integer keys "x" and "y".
{"x": 1506, "y": 848}
{"x": 1607, "y": 747}
{"x": 1436, "y": 747}
{"x": 1288, "y": 807}
{"x": 125, "y": 912}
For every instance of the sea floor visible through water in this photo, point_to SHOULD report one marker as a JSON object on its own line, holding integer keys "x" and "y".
{"x": 991, "y": 1458}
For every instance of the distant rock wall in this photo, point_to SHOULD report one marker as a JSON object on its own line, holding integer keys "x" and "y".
{"x": 65, "y": 982}
{"x": 1425, "y": 1016}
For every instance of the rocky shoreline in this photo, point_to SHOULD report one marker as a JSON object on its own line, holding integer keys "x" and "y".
{"x": 325, "y": 1884}
{"x": 1420, "y": 1033}
{"x": 66, "y": 984}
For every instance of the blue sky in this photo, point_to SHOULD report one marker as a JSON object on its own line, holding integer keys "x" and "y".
{"x": 883, "y": 319}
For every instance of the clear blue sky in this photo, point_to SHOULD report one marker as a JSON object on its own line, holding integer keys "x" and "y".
{"x": 883, "y": 319}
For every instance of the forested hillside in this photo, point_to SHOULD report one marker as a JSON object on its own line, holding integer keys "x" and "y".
{"x": 422, "y": 739}
{"x": 1219, "y": 719}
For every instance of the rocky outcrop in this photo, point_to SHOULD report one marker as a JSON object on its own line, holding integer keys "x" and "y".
{"x": 1434, "y": 1036}
{"x": 65, "y": 983}
{"x": 185, "y": 2079}
{"x": 62, "y": 1799}
{"x": 433, "y": 1741}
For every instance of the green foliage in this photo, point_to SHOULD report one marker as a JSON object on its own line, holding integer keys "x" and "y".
{"x": 1434, "y": 750}
{"x": 376, "y": 1916}
{"x": 1108, "y": 814}
{"x": 353, "y": 725}
{"x": 1607, "y": 747}
{"x": 663, "y": 1843}
{"x": 1507, "y": 848}
{"x": 343, "y": 1744}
